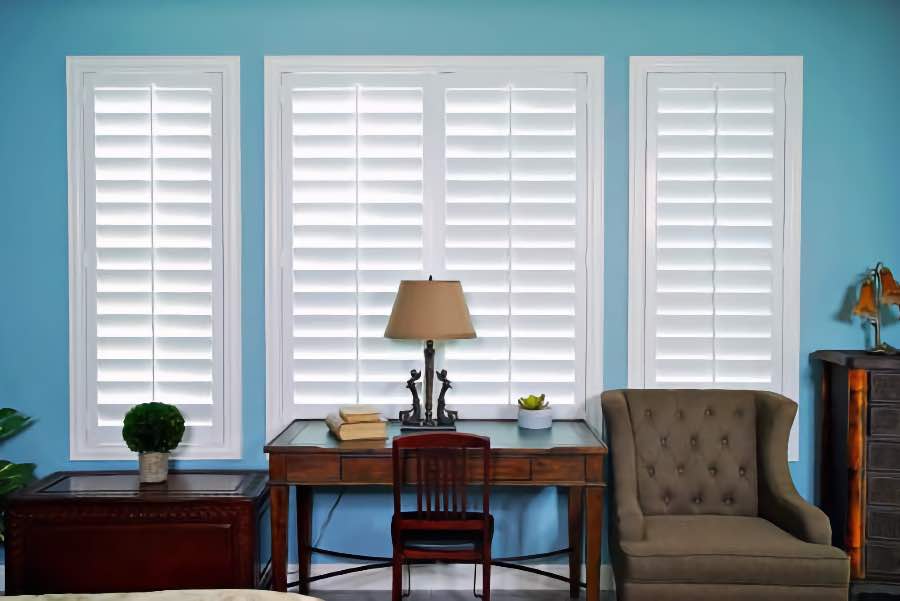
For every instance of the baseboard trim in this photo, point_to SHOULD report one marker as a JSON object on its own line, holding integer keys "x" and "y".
{"x": 445, "y": 577}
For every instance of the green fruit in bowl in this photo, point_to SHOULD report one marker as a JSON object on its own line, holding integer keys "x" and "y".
{"x": 533, "y": 402}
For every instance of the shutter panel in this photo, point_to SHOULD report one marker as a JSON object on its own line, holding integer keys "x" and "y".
{"x": 715, "y": 187}
{"x": 510, "y": 235}
{"x": 156, "y": 191}
{"x": 355, "y": 148}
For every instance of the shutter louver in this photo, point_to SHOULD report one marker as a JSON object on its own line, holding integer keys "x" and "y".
{"x": 357, "y": 218}
{"x": 154, "y": 149}
{"x": 715, "y": 186}
{"x": 510, "y": 237}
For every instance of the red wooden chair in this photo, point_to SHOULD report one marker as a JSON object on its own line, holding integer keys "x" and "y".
{"x": 442, "y": 528}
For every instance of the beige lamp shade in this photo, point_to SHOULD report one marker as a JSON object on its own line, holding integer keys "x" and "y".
{"x": 429, "y": 310}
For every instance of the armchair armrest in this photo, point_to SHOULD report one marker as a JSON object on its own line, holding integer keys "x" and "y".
{"x": 779, "y": 501}
{"x": 628, "y": 516}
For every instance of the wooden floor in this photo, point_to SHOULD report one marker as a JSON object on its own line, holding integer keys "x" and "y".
{"x": 452, "y": 596}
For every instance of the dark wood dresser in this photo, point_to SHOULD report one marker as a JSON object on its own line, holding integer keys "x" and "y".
{"x": 96, "y": 532}
{"x": 859, "y": 473}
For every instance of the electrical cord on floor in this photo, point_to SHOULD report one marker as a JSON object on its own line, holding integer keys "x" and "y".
{"x": 328, "y": 517}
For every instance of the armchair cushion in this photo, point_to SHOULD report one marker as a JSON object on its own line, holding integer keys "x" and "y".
{"x": 717, "y": 549}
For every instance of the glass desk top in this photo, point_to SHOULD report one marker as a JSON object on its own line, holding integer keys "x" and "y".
{"x": 504, "y": 434}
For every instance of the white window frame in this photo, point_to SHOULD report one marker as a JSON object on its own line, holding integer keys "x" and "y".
{"x": 792, "y": 68}
{"x": 77, "y": 68}
{"x": 277, "y": 259}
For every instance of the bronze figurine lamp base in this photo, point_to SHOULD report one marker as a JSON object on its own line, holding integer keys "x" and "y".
{"x": 429, "y": 310}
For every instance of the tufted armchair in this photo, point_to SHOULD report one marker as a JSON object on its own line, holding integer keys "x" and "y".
{"x": 703, "y": 505}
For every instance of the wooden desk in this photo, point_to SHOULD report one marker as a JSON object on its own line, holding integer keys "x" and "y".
{"x": 568, "y": 455}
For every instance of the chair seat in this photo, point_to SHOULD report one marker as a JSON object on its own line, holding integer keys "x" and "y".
{"x": 718, "y": 549}
{"x": 449, "y": 539}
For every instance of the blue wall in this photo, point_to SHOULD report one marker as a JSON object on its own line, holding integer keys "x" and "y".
{"x": 851, "y": 195}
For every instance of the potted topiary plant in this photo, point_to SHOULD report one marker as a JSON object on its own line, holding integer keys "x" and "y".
{"x": 534, "y": 412}
{"x": 152, "y": 430}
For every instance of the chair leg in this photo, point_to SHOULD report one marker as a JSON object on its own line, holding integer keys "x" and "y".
{"x": 486, "y": 577}
{"x": 397, "y": 580}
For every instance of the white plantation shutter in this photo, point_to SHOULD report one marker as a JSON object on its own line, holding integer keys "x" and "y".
{"x": 153, "y": 254}
{"x": 715, "y": 228}
{"x": 478, "y": 176}
{"x": 512, "y": 201}
{"x": 354, "y": 152}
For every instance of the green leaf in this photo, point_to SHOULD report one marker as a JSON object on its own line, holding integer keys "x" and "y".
{"x": 12, "y": 422}
{"x": 14, "y": 476}
{"x": 533, "y": 402}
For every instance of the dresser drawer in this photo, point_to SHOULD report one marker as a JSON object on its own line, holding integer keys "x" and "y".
{"x": 884, "y": 421}
{"x": 885, "y": 387}
{"x": 884, "y": 456}
{"x": 883, "y": 489}
{"x": 883, "y": 524}
{"x": 883, "y": 560}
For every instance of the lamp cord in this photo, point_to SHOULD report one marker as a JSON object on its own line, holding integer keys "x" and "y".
{"x": 328, "y": 517}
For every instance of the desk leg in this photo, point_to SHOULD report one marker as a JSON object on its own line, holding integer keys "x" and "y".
{"x": 304, "y": 534}
{"x": 576, "y": 535}
{"x": 279, "y": 499}
{"x": 594, "y": 511}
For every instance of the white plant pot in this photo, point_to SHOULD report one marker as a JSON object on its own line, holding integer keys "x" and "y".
{"x": 154, "y": 467}
{"x": 537, "y": 419}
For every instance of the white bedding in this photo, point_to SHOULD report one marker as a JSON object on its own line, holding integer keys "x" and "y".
{"x": 210, "y": 595}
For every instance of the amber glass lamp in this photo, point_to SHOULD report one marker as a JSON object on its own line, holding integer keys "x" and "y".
{"x": 429, "y": 310}
{"x": 879, "y": 288}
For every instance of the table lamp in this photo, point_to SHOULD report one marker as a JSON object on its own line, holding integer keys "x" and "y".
{"x": 429, "y": 310}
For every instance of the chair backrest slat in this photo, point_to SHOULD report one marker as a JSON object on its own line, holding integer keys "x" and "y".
{"x": 441, "y": 476}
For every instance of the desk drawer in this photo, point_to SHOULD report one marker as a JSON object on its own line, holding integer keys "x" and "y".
{"x": 367, "y": 470}
{"x": 885, "y": 387}
{"x": 379, "y": 470}
{"x": 558, "y": 468}
{"x": 314, "y": 468}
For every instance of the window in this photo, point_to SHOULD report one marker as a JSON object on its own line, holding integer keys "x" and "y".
{"x": 715, "y": 231}
{"x": 485, "y": 170}
{"x": 154, "y": 249}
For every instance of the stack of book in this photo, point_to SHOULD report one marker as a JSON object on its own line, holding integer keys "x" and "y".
{"x": 357, "y": 422}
